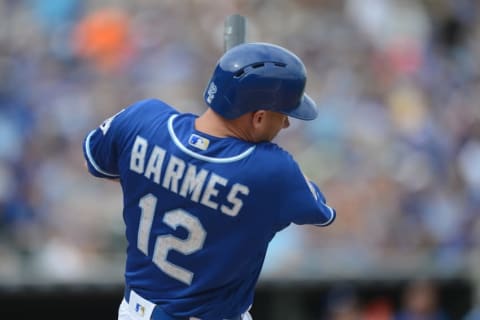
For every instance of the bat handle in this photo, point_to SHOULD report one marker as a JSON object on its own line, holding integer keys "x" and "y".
{"x": 234, "y": 31}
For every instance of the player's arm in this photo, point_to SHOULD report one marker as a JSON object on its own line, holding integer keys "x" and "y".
{"x": 300, "y": 200}
{"x": 103, "y": 145}
{"x": 329, "y": 214}
{"x": 100, "y": 148}
{"x": 85, "y": 163}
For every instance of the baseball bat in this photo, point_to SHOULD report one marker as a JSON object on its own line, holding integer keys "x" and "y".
{"x": 234, "y": 31}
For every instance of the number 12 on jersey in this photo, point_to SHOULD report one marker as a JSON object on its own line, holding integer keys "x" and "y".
{"x": 164, "y": 243}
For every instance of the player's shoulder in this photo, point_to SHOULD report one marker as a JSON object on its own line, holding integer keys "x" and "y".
{"x": 271, "y": 156}
{"x": 270, "y": 149}
{"x": 145, "y": 112}
{"x": 140, "y": 114}
{"x": 151, "y": 107}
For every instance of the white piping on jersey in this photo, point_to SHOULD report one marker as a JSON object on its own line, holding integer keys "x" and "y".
{"x": 200, "y": 156}
{"x": 332, "y": 212}
{"x": 92, "y": 161}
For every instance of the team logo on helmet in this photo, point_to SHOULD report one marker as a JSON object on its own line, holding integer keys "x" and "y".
{"x": 212, "y": 90}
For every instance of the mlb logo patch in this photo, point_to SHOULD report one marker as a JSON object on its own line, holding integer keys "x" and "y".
{"x": 199, "y": 142}
{"x": 140, "y": 309}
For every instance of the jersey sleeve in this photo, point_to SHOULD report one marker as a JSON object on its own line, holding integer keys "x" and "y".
{"x": 300, "y": 200}
{"x": 103, "y": 145}
{"x": 100, "y": 148}
{"x": 328, "y": 212}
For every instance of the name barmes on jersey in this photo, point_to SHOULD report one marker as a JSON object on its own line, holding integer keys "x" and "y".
{"x": 184, "y": 179}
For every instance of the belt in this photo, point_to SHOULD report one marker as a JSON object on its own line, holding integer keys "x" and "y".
{"x": 159, "y": 314}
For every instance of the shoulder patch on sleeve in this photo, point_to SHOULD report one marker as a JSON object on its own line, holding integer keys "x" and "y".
{"x": 107, "y": 123}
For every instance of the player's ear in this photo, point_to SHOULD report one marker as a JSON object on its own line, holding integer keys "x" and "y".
{"x": 258, "y": 117}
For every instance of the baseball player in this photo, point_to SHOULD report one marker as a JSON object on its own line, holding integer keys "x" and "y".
{"x": 204, "y": 195}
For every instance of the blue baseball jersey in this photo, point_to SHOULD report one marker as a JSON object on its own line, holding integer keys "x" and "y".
{"x": 199, "y": 210}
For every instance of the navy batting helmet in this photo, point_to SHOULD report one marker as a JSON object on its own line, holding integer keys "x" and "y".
{"x": 255, "y": 76}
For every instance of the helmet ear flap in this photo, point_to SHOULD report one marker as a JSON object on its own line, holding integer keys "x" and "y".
{"x": 256, "y": 76}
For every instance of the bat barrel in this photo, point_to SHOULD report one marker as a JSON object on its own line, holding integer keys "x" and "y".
{"x": 235, "y": 30}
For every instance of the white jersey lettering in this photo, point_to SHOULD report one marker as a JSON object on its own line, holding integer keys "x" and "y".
{"x": 154, "y": 166}
{"x": 193, "y": 183}
{"x": 232, "y": 198}
{"x": 174, "y": 172}
{"x": 210, "y": 190}
{"x": 200, "y": 186}
{"x": 137, "y": 158}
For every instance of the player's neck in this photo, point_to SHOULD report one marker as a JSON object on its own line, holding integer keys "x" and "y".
{"x": 217, "y": 126}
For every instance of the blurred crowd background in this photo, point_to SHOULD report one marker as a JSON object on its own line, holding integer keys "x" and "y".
{"x": 396, "y": 148}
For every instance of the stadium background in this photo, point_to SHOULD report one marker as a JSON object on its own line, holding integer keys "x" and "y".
{"x": 396, "y": 147}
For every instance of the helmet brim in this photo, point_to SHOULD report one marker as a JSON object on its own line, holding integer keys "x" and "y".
{"x": 306, "y": 110}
